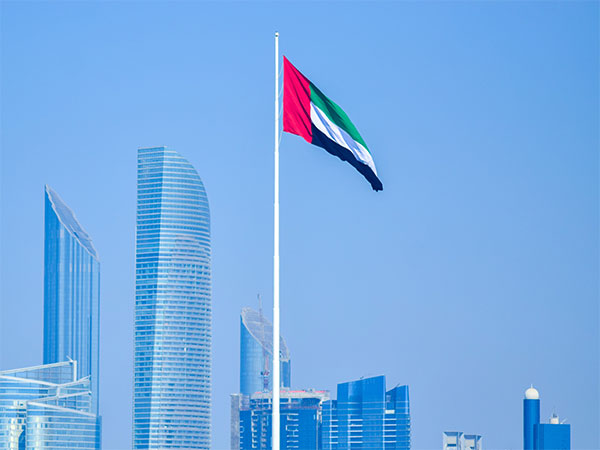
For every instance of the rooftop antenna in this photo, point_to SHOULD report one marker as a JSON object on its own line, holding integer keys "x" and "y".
{"x": 259, "y": 305}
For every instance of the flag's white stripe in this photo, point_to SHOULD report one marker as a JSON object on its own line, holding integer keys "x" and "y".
{"x": 340, "y": 136}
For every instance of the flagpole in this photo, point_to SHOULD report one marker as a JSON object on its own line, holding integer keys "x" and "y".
{"x": 276, "y": 384}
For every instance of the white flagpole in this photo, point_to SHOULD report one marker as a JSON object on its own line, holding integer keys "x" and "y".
{"x": 276, "y": 384}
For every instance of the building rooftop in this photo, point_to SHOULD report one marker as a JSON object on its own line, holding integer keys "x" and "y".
{"x": 262, "y": 330}
{"x": 287, "y": 393}
{"x": 532, "y": 394}
{"x": 68, "y": 219}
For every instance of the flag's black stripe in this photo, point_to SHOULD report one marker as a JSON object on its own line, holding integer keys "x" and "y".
{"x": 321, "y": 139}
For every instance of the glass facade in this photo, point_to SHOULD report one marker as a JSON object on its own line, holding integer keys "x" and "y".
{"x": 256, "y": 353}
{"x": 172, "y": 360}
{"x": 46, "y": 408}
{"x": 71, "y": 292}
{"x": 552, "y": 436}
{"x": 329, "y": 430}
{"x": 397, "y": 418}
{"x": 239, "y": 402}
{"x": 300, "y": 417}
{"x": 365, "y": 416}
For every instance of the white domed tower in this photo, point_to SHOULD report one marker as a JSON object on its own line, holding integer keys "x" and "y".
{"x": 531, "y": 416}
{"x": 532, "y": 394}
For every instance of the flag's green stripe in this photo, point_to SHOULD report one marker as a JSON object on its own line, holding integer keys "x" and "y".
{"x": 335, "y": 114}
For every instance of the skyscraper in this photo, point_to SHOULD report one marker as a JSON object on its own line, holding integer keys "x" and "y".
{"x": 256, "y": 353}
{"x": 365, "y": 416}
{"x": 55, "y": 406}
{"x": 172, "y": 361}
{"x": 71, "y": 293}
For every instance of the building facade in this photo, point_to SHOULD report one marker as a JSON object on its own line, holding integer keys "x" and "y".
{"x": 452, "y": 440}
{"x": 238, "y": 403}
{"x": 300, "y": 417}
{"x": 256, "y": 354}
{"x": 366, "y": 416}
{"x": 71, "y": 293}
{"x": 553, "y": 435}
{"x": 172, "y": 360}
{"x": 472, "y": 442}
{"x": 47, "y": 408}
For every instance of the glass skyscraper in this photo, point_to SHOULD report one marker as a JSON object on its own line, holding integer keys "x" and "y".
{"x": 365, "y": 416}
{"x": 47, "y": 408}
{"x": 172, "y": 361}
{"x": 300, "y": 417}
{"x": 55, "y": 406}
{"x": 71, "y": 293}
{"x": 256, "y": 353}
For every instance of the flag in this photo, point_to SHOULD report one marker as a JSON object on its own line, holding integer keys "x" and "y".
{"x": 308, "y": 113}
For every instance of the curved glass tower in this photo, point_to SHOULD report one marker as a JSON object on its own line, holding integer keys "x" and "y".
{"x": 366, "y": 416}
{"x": 71, "y": 293}
{"x": 172, "y": 361}
{"x": 256, "y": 353}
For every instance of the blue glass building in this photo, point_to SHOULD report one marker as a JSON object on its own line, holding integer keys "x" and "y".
{"x": 300, "y": 417}
{"x": 71, "y": 293}
{"x": 553, "y": 435}
{"x": 542, "y": 436}
{"x": 397, "y": 418}
{"x": 256, "y": 353}
{"x": 365, "y": 416}
{"x": 46, "y": 408}
{"x": 172, "y": 360}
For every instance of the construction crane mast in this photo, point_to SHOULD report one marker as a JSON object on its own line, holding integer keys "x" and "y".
{"x": 265, "y": 372}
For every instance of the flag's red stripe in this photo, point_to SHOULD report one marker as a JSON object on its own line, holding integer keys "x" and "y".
{"x": 296, "y": 102}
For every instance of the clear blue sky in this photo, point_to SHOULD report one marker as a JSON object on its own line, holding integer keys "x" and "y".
{"x": 471, "y": 276}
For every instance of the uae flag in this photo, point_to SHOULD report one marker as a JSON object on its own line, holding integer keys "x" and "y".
{"x": 308, "y": 113}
